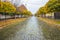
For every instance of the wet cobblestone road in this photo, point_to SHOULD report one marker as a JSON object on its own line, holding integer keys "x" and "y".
{"x": 31, "y": 29}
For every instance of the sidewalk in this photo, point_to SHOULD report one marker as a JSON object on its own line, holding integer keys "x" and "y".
{"x": 50, "y": 21}
{"x": 5, "y": 23}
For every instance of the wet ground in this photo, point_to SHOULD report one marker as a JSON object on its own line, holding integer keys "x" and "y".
{"x": 31, "y": 29}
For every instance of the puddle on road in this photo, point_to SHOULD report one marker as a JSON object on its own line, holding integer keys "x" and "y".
{"x": 30, "y": 31}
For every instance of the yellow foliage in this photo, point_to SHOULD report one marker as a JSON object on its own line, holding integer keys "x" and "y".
{"x": 7, "y": 7}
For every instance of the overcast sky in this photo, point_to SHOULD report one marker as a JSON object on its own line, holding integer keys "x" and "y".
{"x": 34, "y": 5}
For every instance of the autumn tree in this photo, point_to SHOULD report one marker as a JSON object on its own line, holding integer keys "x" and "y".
{"x": 52, "y": 6}
{"x": 7, "y": 8}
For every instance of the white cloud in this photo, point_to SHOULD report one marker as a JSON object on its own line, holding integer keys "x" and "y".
{"x": 34, "y": 5}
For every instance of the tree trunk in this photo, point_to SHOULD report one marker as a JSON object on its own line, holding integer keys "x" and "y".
{"x": 15, "y": 16}
{"x": 4, "y": 14}
{"x": 21, "y": 15}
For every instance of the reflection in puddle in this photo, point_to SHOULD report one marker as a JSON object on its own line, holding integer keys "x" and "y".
{"x": 31, "y": 31}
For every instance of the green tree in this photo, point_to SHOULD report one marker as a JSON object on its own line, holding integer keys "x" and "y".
{"x": 7, "y": 8}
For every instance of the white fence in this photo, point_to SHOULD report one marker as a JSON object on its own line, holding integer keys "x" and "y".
{"x": 8, "y": 16}
{"x": 3, "y": 16}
